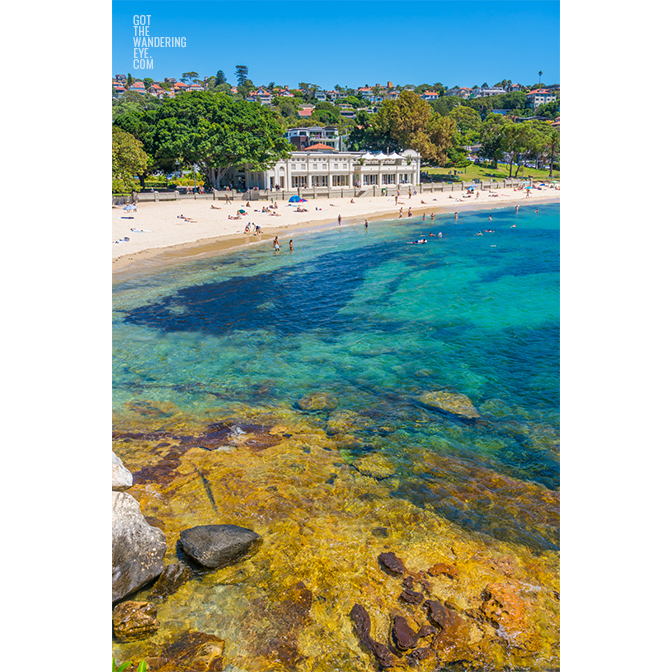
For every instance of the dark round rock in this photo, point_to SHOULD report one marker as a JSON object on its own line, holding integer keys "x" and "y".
{"x": 218, "y": 545}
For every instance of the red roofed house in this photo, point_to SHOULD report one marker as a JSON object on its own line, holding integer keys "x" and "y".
{"x": 119, "y": 89}
{"x": 430, "y": 95}
{"x": 284, "y": 93}
{"x": 260, "y": 96}
{"x": 306, "y": 112}
{"x": 319, "y": 147}
{"x": 180, "y": 86}
{"x": 539, "y": 97}
{"x": 138, "y": 86}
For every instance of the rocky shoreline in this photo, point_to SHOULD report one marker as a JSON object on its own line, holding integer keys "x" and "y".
{"x": 346, "y": 577}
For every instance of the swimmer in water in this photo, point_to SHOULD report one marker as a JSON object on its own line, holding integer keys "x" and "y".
{"x": 366, "y": 223}
{"x": 432, "y": 216}
{"x": 439, "y": 235}
{"x": 455, "y": 216}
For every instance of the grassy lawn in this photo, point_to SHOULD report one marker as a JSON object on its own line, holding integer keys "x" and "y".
{"x": 484, "y": 173}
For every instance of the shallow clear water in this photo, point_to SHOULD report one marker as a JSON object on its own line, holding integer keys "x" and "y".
{"x": 377, "y": 322}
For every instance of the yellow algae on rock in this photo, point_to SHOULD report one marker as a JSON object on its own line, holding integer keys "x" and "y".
{"x": 324, "y": 524}
{"x": 376, "y": 466}
{"x": 458, "y": 404}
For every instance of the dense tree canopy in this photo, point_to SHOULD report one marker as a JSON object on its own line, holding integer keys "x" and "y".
{"x": 212, "y": 130}
{"x": 128, "y": 160}
{"x": 407, "y": 123}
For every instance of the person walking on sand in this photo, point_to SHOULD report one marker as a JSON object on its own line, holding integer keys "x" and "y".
{"x": 396, "y": 199}
{"x": 401, "y": 213}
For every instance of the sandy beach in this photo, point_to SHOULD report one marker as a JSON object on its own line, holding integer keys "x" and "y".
{"x": 162, "y": 235}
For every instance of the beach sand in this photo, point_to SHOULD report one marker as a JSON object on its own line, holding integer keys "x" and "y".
{"x": 167, "y": 238}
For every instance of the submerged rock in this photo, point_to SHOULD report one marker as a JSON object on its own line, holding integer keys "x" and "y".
{"x": 437, "y": 613}
{"x": 402, "y": 634}
{"x": 441, "y": 568}
{"x": 134, "y": 620}
{"x": 392, "y": 563}
{"x": 416, "y": 656}
{"x": 172, "y": 577}
{"x": 218, "y": 545}
{"x": 193, "y": 651}
{"x": 376, "y": 466}
{"x": 458, "y": 404}
{"x": 411, "y": 596}
{"x": 137, "y": 548}
{"x": 362, "y": 622}
{"x": 122, "y": 478}
{"x": 318, "y": 401}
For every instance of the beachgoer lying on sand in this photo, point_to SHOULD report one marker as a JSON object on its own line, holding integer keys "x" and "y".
{"x": 275, "y": 214}
{"x": 214, "y": 207}
{"x": 352, "y": 200}
{"x": 247, "y": 205}
{"x": 423, "y": 203}
{"x": 140, "y": 231}
{"x": 332, "y": 205}
{"x": 122, "y": 240}
{"x": 236, "y": 217}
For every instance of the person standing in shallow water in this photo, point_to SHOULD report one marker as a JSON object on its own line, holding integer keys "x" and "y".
{"x": 339, "y": 220}
{"x": 366, "y": 223}
{"x": 291, "y": 246}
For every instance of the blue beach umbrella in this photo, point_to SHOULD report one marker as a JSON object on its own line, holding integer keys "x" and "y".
{"x": 294, "y": 199}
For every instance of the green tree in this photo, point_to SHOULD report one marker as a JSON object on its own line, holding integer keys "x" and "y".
{"x": 128, "y": 160}
{"x": 214, "y": 131}
{"x": 407, "y": 123}
{"x": 241, "y": 74}
{"x": 467, "y": 122}
{"x": 188, "y": 76}
{"x": 129, "y": 80}
{"x": 219, "y": 78}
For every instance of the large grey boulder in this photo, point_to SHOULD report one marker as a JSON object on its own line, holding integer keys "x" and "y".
{"x": 122, "y": 478}
{"x": 218, "y": 545}
{"x": 137, "y": 548}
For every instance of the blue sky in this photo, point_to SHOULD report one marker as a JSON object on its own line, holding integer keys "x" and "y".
{"x": 349, "y": 43}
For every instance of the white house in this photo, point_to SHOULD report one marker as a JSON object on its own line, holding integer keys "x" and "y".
{"x": 479, "y": 92}
{"x": 539, "y": 97}
{"x": 330, "y": 169}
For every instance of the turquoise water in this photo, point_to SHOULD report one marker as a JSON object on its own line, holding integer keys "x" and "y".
{"x": 376, "y": 322}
